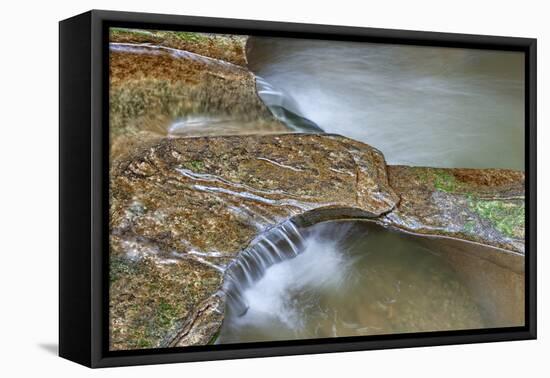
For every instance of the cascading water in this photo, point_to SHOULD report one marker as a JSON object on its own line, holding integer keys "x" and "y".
{"x": 284, "y": 108}
{"x": 341, "y": 279}
{"x": 271, "y": 247}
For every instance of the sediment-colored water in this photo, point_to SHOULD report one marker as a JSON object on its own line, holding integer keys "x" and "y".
{"x": 348, "y": 279}
{"x": 427, "y": 106}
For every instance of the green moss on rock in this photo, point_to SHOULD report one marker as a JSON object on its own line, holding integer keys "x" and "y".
{"x": 444, "y": 181}
{"x": 119, "y": 266}
{"x": 507, "y": 217}
{"x": 469, "y": 227}
{"x": 486, "y": 206}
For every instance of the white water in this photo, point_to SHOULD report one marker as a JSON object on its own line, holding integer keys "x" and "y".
{"x": 341, "y": 279}
{"x": 271, "y": 298}
{"x": 419, "y": 105}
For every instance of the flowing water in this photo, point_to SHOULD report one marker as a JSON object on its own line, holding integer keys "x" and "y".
{"x": 342, "y": 279}
{"x": 427, "y": 106}
{"x": 420, "y": 106}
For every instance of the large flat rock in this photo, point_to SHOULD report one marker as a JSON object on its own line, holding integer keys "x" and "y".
{"x": 183, "y": 209}
{"x": 158, "y": 91}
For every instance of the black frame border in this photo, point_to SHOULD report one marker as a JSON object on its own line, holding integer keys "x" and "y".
{"x": 92, "y": 263}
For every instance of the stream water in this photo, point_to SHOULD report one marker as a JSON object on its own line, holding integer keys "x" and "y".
{"x": 347, "y": 279}
{"x": 420, "y": 106}
{"x": 427, "y": 106}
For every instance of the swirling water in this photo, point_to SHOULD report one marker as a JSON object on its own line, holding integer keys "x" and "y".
{"x": 347, "y": 279}
{"x": 426, "y": 106}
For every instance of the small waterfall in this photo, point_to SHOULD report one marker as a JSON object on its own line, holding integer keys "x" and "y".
{"x": 271, "y": 247}
{"x": 284, "y": 108}
{"x": 343, "y": 278}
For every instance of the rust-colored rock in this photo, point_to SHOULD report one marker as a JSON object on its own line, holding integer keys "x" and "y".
{"x": 229, "y": 48}
{"x": 183, "y": 209}
{"x": 158, "y": 91}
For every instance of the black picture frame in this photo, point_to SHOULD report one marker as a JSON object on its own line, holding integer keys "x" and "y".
{"x": 83, "y": 182}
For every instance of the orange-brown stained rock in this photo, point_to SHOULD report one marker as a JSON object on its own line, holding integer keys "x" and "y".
{"x": 182, "y": 210}
{"x": 481, "y": 205}
{"x": 153, "y": 88}
{"x": 230, "y": 48}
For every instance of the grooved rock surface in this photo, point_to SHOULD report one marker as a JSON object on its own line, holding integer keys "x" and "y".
{"x": 182, "y": 209}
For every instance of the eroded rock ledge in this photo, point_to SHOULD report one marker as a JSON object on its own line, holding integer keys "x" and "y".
{"x": 485, "y": 206}
{"x": 182, "y": 210}
{"x": 158, "y": 90}
{"x": 229, "y": 48}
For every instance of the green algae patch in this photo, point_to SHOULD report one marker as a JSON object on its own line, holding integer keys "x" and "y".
{"x": 119, "y": 267}
{"x": 486, "y": 206}
{"x": 214, "y": 338}
{"x": 507, "y": 217}
{"x": 114, "y": 32}
{"x": 440, "y": 179}
{"x": 172, "y": 234}
{"x": 195, "y": 165}
{"x": 444, "y": 181}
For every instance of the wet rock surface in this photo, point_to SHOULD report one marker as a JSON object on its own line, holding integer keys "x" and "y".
{"x": 183, "y": 209}
{"x": 158, "y": 91}
{"x": 229, "y": 48}
{"x": 486, "y": 206}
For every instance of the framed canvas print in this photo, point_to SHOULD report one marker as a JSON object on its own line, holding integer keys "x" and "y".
{"x": 233, "y": 188}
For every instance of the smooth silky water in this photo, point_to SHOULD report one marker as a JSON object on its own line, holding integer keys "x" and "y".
{"x": 348, "y": 278}
{"x": 426, "y": 106}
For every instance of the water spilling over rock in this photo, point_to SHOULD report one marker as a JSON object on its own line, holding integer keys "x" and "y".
{"x": 279, "y": 244}
{"x": 355, "y": 278}
{"x": 199, "y": 225}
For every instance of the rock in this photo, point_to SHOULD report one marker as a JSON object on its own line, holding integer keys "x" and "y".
{"x": 182, "y": 210}
{"x": 496, "y": 278}
{"x": 159, "y": 91}
{"x": 229, "y": 48}
{"x": 485, "y": 206}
